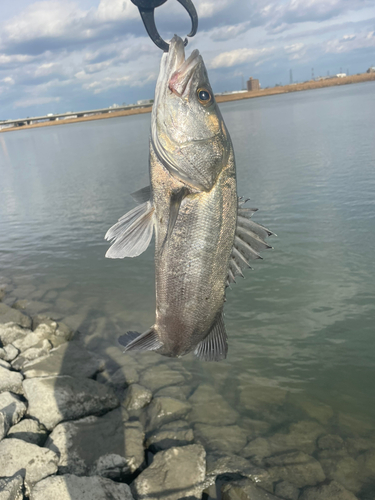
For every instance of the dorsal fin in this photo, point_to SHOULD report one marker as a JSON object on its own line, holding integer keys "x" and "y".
{"x": 214, "y": 347}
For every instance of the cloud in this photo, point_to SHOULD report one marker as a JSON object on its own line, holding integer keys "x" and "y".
{"x": 238, "y": 56}
{"x": 26, "y": 103}
{"x": 229, "y": 32}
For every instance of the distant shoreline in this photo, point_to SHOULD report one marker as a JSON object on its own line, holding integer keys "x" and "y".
{"x": 310, "y": 85}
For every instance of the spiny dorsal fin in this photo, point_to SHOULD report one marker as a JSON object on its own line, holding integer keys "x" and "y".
{"x": 134, "y": 341}
{"x": 214, "y": 347}
{"x": 132, "y": 233}
{"x": 142, "y": 195}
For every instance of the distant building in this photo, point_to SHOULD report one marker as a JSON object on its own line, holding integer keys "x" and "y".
{"x": 341, "y": 75}
{"x": 252, "y": 84}
{"x": 371, "y": 70}
{"x": 144, "y": 102}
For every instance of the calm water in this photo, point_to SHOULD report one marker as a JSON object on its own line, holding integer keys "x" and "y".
{"x": 303, "y": 320}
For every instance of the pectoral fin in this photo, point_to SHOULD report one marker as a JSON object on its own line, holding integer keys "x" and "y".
{"x": 176, "y": 200}
{"x": 132, "y": 233}
{"x": 214, "y": 347}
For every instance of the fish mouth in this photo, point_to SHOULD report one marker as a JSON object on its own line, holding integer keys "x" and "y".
{"x": 181, "y": 71}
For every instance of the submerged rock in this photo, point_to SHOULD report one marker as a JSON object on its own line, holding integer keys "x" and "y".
{"x": 123, "y": 377}
{"x": 228, "y": 439}
{"x": 174, "y": 391}
{"x": 31, "y": 461}
{"x": 177, "y": 433}
{"x": 330, "y": 442}
{"x": 260, "y": 399}
{"x": 109, "y": 445}
{"x": 174, "y": 474}
{"x": 209, "y": 407}
{"x": 159, "y": 376}
{"x": 10, "y": 381}
{"x": 29, "y": 430}
{"x": 70, "y": 487}
{"x": 137, "y": 397}
{"x": 244, "y": 489}
{"x": 67, "y": 359}
{"x": 287, "y": 490}
{"x": 11, "y": 488}
{"x": 332, "y": 491}
{"x": 40, "y": 349}
{"x": 297, "y": 468}
{"x": 53, "y": 399}
{"x": 12, "y": 409}
{"x": 8, "y": 314}
{"x": 163, "y": 410}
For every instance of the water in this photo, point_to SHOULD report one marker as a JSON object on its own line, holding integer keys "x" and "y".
{"x": 302, "y": 321}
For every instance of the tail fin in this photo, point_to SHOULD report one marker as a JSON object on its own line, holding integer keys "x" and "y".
{"x": 134, "y": 341}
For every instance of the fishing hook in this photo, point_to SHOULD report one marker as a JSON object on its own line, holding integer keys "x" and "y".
{"x": 147, "y": 8}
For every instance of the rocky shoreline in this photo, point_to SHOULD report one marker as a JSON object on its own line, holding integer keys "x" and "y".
{"x": 74, "y": 427}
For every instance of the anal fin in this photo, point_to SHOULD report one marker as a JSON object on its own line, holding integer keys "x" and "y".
{"x": 214, "y": 347}
{"x": 132, "y": 233}
{"x": 134, "y": 341}
{"x": 142, "y": 195}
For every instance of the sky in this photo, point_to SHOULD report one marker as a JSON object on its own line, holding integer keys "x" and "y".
{"x": 69, "y": 55}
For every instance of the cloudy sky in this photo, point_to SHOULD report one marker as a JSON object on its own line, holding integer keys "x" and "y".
{"x": 65, "y": 55}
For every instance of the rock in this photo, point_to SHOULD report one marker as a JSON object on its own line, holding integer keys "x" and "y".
{"x": 124, "y": 376}
{"x": 174, "y": 474}
{"x": 59, "y": 330}
{"x": 177, "y": 433}
{"x": 68, "y": 359}
{"x": 332, "y": 491}
{"x": 254, "y": 428}
{"x": 343, "y": 469}
{"x": 33, "y": 339}
{"x": 8, "y": 314}
{"x": 10, "y": 381}
{"x": 163, "y": 410}
{"x": 53, "y": 399}
{"x": 330, "y": 442}
{"x": 244, "y": 489}
{"x": 29, "y": 430}
{"x": 357, "y": 445}
{"x": 137, "y": 397}
{"x": 32, "y": 306}
{"x": 71, "y": 487}
{"x": 11, "y": 488}
{"x": 259, "y": 399}
{"x": 159, "y": 376}
{"x": 38, "y": 350}
{"x": 2, "y": 292}
{"x": 287, "y": 491}
{"x": 227, "y": 439}
{"x": 9, "y": 332}
{"x": 12, "y": 409}
{"x": 5, "y": 364}
{"x": 174, "y": 391}
{"x": 209, "y": 407}
{"x": 297, "y": 468}
{"x": 107, "y": 445}
{"x": 314, "y": 409}
{"x": 366, "y": 462}
{"x": 31, "y": 461}
{"x": 218, "y": 465}
{"x": 353, "y": 424}
{"x": 8, "y": 352}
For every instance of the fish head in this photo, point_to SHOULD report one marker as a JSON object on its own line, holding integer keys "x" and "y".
{"x": 188, "y": 132}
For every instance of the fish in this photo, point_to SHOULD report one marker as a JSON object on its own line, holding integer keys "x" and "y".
{"x": 204, "y": 235}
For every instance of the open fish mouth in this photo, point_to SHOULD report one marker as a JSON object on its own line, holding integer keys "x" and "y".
{"x": 180, "y": 79}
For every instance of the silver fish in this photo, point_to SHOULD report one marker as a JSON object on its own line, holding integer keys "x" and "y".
{"x": 204, "y": 236}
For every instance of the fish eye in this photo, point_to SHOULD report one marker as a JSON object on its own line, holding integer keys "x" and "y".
{"x": 204, "y": 96}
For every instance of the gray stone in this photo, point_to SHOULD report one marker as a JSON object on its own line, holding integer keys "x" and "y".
{"x": 174, "y": 474}
{"x": 8, "y": 352}
{"x": 11, "y": 488}
{"x": 218, "y": 465}
{"x": 163, "y": 410}
{"x": 32, "y": 306}
{"x": 31, "y": 461}
{"x": 254, "y": 428}
{"x": 33, "y": 339}
{"x": 57, "y": 329}
{"x": 330, "y": 442}
{"x": 29, "y": 430}
{"x": 357, "y": 445}
{"x": 257, "y": 398}
{"x": 12, "y": 409}
{"x": 337, "y": 465}
{"x": 314, "y": 409}
{"x": 10, "y": 381}
{"x": 159, "y": 376}
{"x": 68, "y": 359}
{"x": 107, "y": 445}
{"x": 5, "y": 364}
{"x": 209, "y": 407}
{"x": 8, "y": 314}
{"x": 53, "y": 399}
{"x": 244, "y": 489}
{"x": 226, "y": 439}
{"x": 354, "y": 424}
{"x": 71, "y": 487}
{"x": 332, "y": 491}
{"x": 297, "y": 468}
{"x": 124, "y": 376}
{"x": 38, "y": 350}
{"x": 2, "y": 292}
{"x": 177, "y": 433}
{"x": 287, "y": 490}
{"x": 9, "y": 332}
{"x": 137, "y": 397}
{"x": 174, "y": 391}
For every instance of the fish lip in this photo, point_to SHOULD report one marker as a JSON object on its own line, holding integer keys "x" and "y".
{"x": 180, "y": 78}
